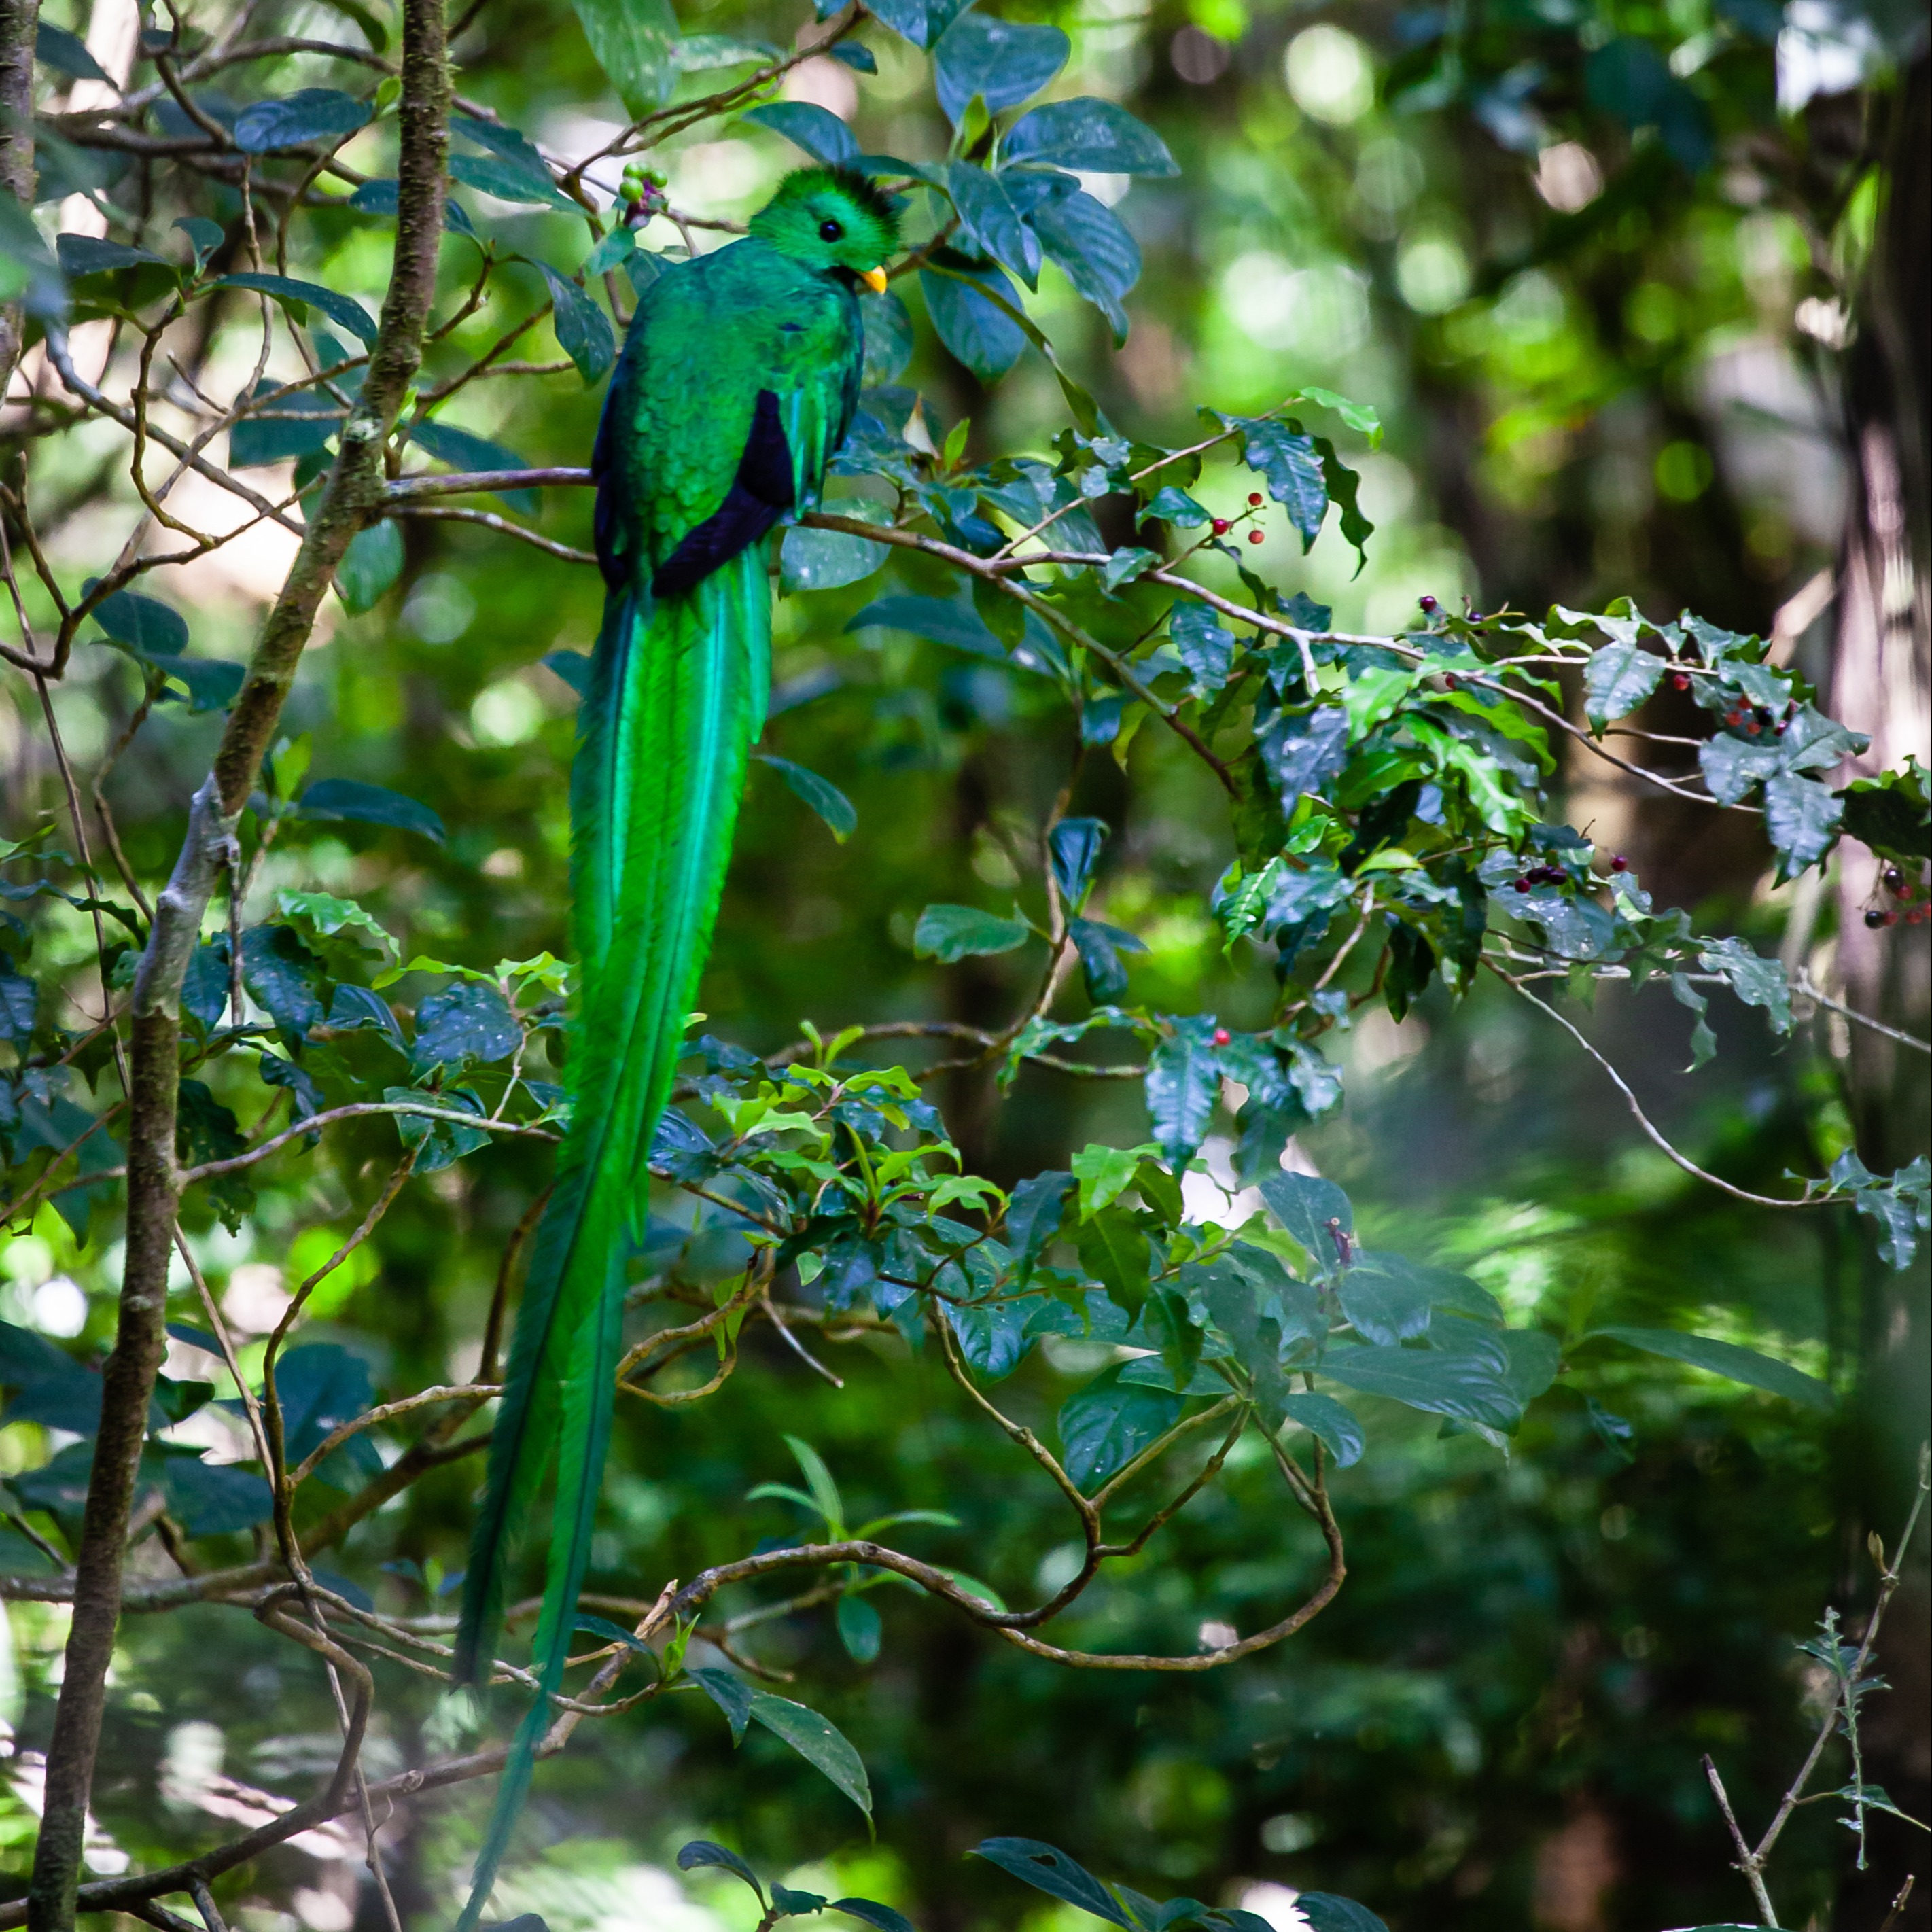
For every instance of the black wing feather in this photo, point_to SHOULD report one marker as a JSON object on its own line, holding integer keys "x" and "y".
{"x": 761, "y": 493}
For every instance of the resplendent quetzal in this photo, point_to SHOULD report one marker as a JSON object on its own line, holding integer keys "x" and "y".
{"x": 737, "y": 382}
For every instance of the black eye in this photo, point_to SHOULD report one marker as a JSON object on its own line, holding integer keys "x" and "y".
{"x": 830, "y": 231}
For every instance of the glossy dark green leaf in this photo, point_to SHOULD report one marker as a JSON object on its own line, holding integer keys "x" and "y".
{"x": 464, "y": 449}
{"x": 889, "y": 337}
{"x": 1183, "y": 1081}
{"x": 990, "y": 224}
{"x": 212, "y": 1498}
{"x": 81, "y": 255}
{"x": 868, "y": 1912}
{"x": 819, "y": 1741}
{"x": 1726, "y": 1359}
{"x": 858, "y": 57}
{"x": 298, "y": 297}
{"x": 1315, "y": 1212}
{"x": 370, "y": 805}
{"x": 353, "y": 1007}
{"x": 1323, "y": 1416}
{"x": 282, "y": 974}
{"x": 1002, "y": 61}
{"x": 1205, "y": 646}
{"x": 1326, "y": 1913}
{"x": 1802, "y": 816}
{"x": 982, "y": 336}
{"x": 1088, "y": 241}
{"x": 815, "y": 560}
{"x": 805, "y": 125}
{"x": 1291, "y": 467}
{"x": 700, "y": 1853}
{"x": 292, "y": 425}
{"x": 1890, "y": 813}
{"x": 1104, "y": 1425}
{"x": 992, "y": 1335}
{"x": 860, "y": 1630}
{"x": 1113, "y": 1252}
{"x": 1618, "y": 679}
{"x": 45, "y": 1385}
{"x": 1304, "y": 751}
{"x": 1384, "y": 1299}
{"x": 1047, "y": 1869}
{"x": 948, "y": 933}
{"x": 66, "y": 53}
{"x": 322, "y": 114}
{"x": 370, "y": 564}
{"x": 635, "y": 42}
{"x": 321, "y": 1386}
{"x": 1033, "y": 1212}
{"x": 144, "y": 624}
{"x": 1097, "y": 137}
{"x": 1074, "y": 847}
{"x": 467, "y": 1021}
{"x": 583, "y": 330}
{"x": 821, "y": 794}
{"x": 733, "y": 1696}
{"x": 509, "y": 180}
{"x": 1464, "y": 1386}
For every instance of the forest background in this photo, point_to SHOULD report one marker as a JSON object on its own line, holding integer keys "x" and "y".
{"x": 1639, "y": 294}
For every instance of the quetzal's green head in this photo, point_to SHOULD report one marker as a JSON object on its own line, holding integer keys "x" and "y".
{"x": 833, "y": 220}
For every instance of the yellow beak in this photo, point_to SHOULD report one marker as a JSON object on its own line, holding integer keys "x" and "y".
{"x": 874, "y": 279}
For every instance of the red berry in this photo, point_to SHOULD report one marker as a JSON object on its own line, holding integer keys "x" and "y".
{"x": 1904, "y": 891}
{"x": 1257, "y": 536}
{"x": 1522, "y": 885}
{"x": 1220, "y": 526}
{"x": 1620, "y": 864}
{"x": 1681, "y": 679}
{"x": 1221, "y": 1036}
{"x": 1254, "y": 499}
{"x": 1753, "y": 729}
{"x": 1449, "y": 680}
{"x": 1892, "y": 919}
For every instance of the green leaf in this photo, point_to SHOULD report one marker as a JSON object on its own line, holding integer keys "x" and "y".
{"x": 825, "y": 1495}
{"x": 438, "y": 1143}
{"x": 805, "y": 125}
{"x": 144, "y": 624}
{"x": 1325, "y": 1913}
{"x": 1105, "y": 1173}
{"x": 463, "y": 449}
{"x": 1096, "y": 137}
{"x": 298, "y": 297}
{"x": 1000, "y": 61}
{"x": 819, "y": 1742}
{"x": 1114, "y": 1251}
{"x": 369, "y": 804}
{"x": 950, "y": 933}
{"x": 987, "y": 339}
{"x": 1205, "y": 645}
{"x": 583, "y": 329}
{"x": 702, "y": 1852}
{"x": 66, "y": 53}
{"x": 860, "y": 1630}
{"x": 1618, "y": 679}
{"x": 1802, "y": 816}
{"x": 1465, "y": 1386}
{"x": 868, "y": 1911}
{"x": 988, "y": 220}
{"x": 1048, "y": 1870}
{"x": 1757, "y": 981}
{"x": 1088, "y": 241}
{"x": 1725, "y": 1359}
{"x": 1385, "y": 1299}
{"x": 732, "y": 1695}
{"x": 1183, "y": 1081}
{"x": 888, "y": 338}
{"x": 635, "y": 42}
{"x": 1074, "y": 845}
{"x": 821, "y": 794}
{"x": 1104, "y": 1425}
{"x": 1323, "y": 1416}
{"x": 509, "y": 180}
{"x": 1292, "y": 467}
{"x": 318, "y": 114}
{"x": 381, "y": 197}
{"x": 466, "y": 1021}
{"x": 704, "y": 53}
{"x": 1890, "y": 813}
{"x": 345, "y": 938}
{"x": 815, "y": 560}
{"x": 81, "y": 255}
{"x": 292, "y": 425}
{"x": 1314, "y": 1213}
{"x": 370, "y": 564}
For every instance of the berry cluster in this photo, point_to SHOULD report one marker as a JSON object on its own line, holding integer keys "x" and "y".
{"x": 641, "y": 193}
{"x": 1754, "y": 722}
{"x": 1903, "y": 890}
{"x": 1222, "y": 525}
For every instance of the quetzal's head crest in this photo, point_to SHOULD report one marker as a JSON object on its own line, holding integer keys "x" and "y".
{"x": 835, "y": 221}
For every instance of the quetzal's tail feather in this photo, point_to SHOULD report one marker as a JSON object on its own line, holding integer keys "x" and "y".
{"x": 677, "y": 696}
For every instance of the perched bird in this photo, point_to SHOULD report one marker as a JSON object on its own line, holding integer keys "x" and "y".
{"x": 737, "y": 382}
